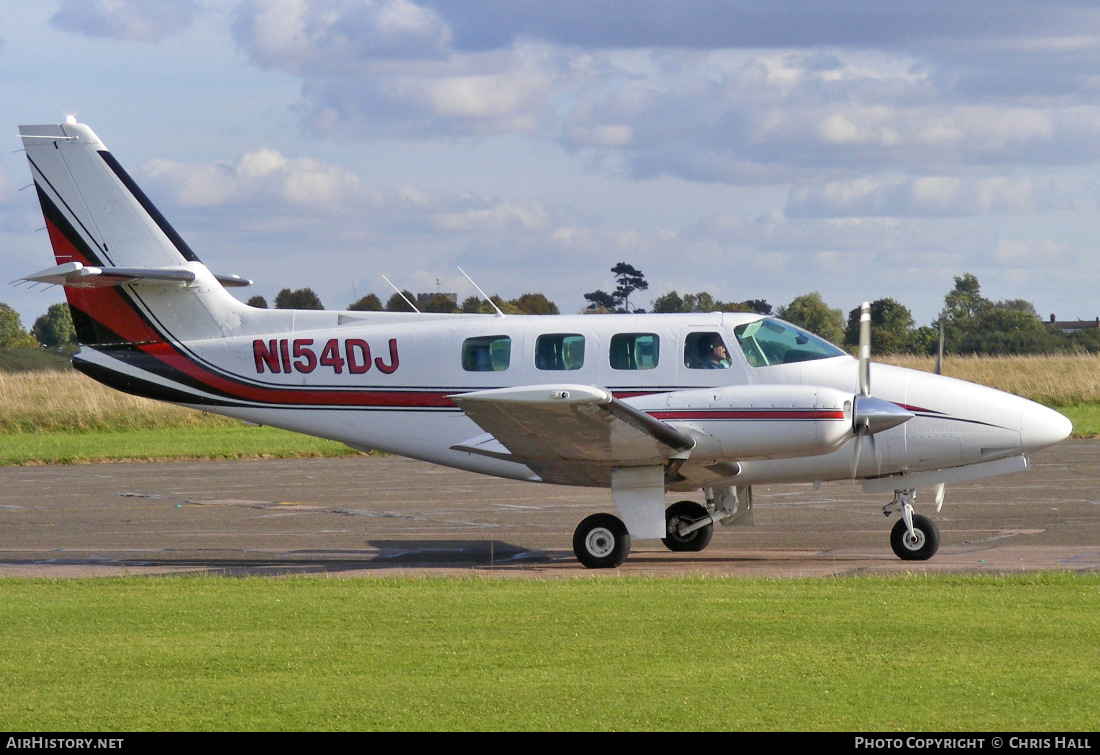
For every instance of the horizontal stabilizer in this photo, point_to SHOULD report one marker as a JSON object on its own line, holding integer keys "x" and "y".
{"x": 79, "y": 275}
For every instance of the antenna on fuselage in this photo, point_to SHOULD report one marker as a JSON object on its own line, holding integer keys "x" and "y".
{"x": 939, "y": 351}
{"x": 492, "y": 303}
{"x": 395, "y": 288}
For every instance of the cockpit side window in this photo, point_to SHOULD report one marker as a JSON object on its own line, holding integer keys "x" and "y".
{"x": 767, "y": 342}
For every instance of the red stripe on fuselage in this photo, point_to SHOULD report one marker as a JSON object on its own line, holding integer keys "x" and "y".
{"x": 227, "y": 386}
{"x": 749, "y": 414}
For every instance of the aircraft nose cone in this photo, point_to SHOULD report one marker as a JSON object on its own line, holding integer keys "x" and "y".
{"x": 1041, "y": 427}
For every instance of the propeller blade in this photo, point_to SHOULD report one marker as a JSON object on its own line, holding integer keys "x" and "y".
{"x": 865, "y": 349}
{"x": 876, "y": 455}
{"x": 939, "y": 497}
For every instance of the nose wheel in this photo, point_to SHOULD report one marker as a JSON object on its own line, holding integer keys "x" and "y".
{"x": 921, "y": 545}
{"x": 914, "y": 537}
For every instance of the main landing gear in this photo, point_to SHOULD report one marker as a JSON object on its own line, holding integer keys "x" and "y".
{"x": 689, "y": 525}
{"x": 914, "y": 537}
{"x": 602, "y": 541}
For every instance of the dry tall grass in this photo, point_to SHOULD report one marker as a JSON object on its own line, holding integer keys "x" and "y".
{"x": 1054, "y": 380}
{"x": 58, "y": 401}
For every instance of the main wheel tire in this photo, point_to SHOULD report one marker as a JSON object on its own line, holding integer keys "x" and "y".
{"x": 920, "y": 548}
{"x": 686, "y": 512}
{"x": 601, "y": 541}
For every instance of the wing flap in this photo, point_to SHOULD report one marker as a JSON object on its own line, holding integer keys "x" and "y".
{"x": 571, "y": 434}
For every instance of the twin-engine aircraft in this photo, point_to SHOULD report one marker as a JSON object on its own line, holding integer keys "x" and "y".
{"x": 645, "y": 405}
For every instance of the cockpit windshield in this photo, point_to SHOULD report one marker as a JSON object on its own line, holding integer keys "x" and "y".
{"x": 767, "y": 342}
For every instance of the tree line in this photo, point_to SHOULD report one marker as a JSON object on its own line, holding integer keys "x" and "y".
{"x": 305, "y": 298}
{"x": 970, "y": 323}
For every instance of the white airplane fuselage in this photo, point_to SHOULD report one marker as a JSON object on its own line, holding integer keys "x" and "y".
{"x": 384, "y": 381}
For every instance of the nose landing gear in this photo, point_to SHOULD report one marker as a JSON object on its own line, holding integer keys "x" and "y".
{"x": 914, "y": 537}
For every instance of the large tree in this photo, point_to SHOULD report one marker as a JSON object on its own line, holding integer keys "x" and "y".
{"x": 704, "y": 302}
{"x": 628, "y": 279}
{"x": 398, "y": 304}
{"x": 809, "y": 311}
{"x": 12, "y": 335}
{"x": 891, "y": 327}
{"x": 302, "y": 298}
{"x": 440, "y": 303}
{"x": 535, "y": 304}
{"x": 1010, "y": 327}
{"x": 601, "y": 301}
{"x": 368, "y": 303}
{"x": 55, "y": 328}
{"x": 962, "y": 307}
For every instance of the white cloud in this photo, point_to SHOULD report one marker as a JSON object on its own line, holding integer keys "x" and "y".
{"x": 387, "y": 67}
{"x": 263, "y": 186}
{"x": 500, "y": 218}
{"x": 336, "y": 37}
{"x": 668, "y": 96}
{"x": 924, "y": 196}
{"x": 138, "y": 20}
{"x": 260, "y": 174}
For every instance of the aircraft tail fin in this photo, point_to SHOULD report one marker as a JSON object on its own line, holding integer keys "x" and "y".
{"x": 128, "y": 276}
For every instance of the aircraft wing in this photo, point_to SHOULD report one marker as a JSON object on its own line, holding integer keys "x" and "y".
{"x": 568, "y": 434}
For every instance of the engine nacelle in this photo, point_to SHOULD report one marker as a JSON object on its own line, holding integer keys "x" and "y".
{"x": 757, "y": 421}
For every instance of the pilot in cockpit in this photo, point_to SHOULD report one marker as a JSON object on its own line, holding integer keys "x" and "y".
{"x": 712, "y": 353}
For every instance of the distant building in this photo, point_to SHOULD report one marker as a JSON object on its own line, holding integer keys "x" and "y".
{"x": 423, "y": 299}
{"x": 1072, "y": 326}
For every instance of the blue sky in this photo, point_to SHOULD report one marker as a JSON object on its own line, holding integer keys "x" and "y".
{"x": 859, "y": 148}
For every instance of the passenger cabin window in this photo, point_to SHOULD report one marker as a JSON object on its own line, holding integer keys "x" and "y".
{"x": 706, "y": 351}
{"x": 767, "y": 342}
{"x": 634, "y": 351}
{"x": 486, "y": 353}
{"x": 559, "y": 351}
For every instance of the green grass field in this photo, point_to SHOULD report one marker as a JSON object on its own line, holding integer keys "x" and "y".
{"x": 601, "y": 653}
{"x": 235, "y": 441}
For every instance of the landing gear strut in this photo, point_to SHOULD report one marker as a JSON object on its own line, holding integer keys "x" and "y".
{"x": 914, "y": 537}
